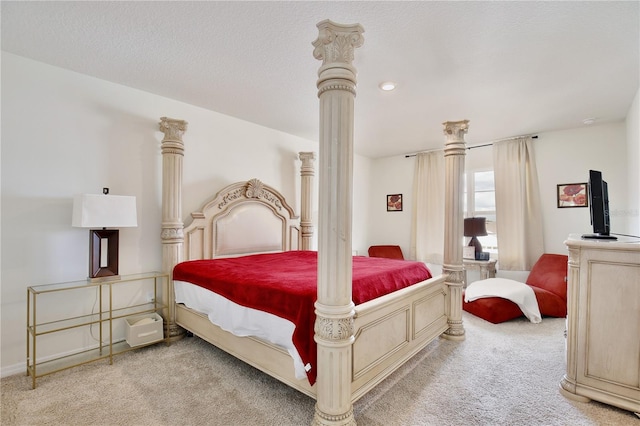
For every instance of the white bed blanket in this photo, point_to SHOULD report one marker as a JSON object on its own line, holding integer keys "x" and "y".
{"x": 519, "y": 293}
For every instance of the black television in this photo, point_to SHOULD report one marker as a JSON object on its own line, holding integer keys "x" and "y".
{"x": 599, "y": 207}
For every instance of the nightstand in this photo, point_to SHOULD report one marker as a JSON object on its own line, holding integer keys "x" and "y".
{"x": 112, "y": 307}
{"x": 487, "y": 268}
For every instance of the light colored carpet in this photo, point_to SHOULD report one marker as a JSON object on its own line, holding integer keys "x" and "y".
{"x": 506, "y": 374}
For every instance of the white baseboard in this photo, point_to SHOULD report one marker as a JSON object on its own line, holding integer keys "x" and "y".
{"x": 21, "y": 367}
{"x": 12, "y": 370}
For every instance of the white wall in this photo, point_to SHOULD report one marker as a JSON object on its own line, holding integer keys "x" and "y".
{"x": 65, "y": 133}
{"x": 361, "y": 211}
{"x": 561, "y": 157}
{"x": 566, "y": 157}
{"x": 633, "y": 169}
{"x": 390, "y": 175}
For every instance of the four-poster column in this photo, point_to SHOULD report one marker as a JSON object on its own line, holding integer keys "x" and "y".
{"x": 306, "y": 189}
{"x": 172, "y": 226}
{"x": 334, "y": 327}
{"x": 454, "y": 155}
{"x": 334, "y": 308}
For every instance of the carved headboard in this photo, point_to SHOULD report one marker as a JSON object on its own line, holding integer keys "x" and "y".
{"x": 244, "y": 217}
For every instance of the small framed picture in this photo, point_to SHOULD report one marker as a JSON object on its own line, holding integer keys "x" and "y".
{"x": 394, "y": 202}
{"x": 573, "y": 195}
{"x": 469, "y": 252}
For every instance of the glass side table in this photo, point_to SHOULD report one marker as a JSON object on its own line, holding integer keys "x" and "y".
{"x": 108, "y": 308}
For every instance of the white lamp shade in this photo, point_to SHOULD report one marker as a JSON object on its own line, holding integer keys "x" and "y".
{"x": 104, "y": 211}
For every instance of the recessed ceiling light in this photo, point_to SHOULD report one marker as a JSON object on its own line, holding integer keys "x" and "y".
{"x": 588, "y": 121}
{"x": 387, "y": 86}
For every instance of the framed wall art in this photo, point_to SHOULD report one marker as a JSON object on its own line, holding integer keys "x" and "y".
{"x": 573, "y": 195}
{"x": 394, "y": 202}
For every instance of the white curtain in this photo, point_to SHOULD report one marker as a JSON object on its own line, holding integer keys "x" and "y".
{"x": 427, "y": 238}
{"x": 518, "y": 211}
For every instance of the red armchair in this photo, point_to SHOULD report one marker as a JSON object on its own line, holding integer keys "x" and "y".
{"x": 548, "y": 279}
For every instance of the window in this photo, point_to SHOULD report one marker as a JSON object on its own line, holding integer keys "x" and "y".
{"x": 480, "y": 200}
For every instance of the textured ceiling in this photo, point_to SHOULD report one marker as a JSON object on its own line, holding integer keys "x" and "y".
{"x": 511, "y": 68}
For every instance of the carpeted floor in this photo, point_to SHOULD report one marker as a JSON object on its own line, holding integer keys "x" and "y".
{"x": 506, "y": 374}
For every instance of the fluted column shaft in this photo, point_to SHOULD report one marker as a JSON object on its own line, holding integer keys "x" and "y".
{"x": 334, "y": 308}
{"x": 172, "y": 226}
{"x": 454, "y": 156}
{"x": 307, "y": 171}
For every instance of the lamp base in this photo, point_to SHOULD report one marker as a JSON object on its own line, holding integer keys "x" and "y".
{"x": 103, "y": 256}
{"x": 478, "y": 247}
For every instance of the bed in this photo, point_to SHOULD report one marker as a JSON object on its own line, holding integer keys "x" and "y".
{"x": 357, "y": 345}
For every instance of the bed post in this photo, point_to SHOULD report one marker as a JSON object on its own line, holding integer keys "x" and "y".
{"x": 307, "y": 172}
{"x": 172, "y": 227}
{"x": 336, "y": 83}
{"x": 454, "y": 156}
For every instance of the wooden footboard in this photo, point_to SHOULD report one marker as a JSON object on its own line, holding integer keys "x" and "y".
{"x": 391, "y": 329}
{"x": 388, "y": 331}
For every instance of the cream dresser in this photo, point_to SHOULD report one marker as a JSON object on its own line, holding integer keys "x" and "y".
{"x": 603, "y": 322}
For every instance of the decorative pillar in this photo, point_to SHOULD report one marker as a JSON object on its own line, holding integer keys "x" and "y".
{"x": 334, "y": 308}
{"x": 172, "y": 226}
{"x": 307, "y": 172}
{"x": 454, "y": 156}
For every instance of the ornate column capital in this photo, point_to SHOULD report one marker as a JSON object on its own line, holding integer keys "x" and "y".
{"x": 334, "y": 47}
{"x": 307, "y": 158}
{"x": 455, "y": 130}
{"x": 337, "y": 42}
{"x": 173, "y": 130}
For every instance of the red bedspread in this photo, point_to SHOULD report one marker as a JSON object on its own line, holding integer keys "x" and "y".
{"x": 285, "y": 284}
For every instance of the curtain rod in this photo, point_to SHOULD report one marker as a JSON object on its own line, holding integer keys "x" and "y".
{"x": 471, "y": 147}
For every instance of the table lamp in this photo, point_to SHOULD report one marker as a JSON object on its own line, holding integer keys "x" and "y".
{"x": 475, "y": 227}
{"x": 100, "y": 212}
